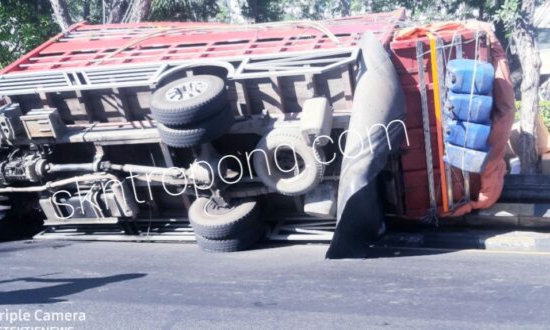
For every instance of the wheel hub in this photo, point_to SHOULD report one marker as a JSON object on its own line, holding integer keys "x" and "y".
{"x": 186, "y": 90}
{"x": 286, "y": 160}
{"x": 212, "y": 208}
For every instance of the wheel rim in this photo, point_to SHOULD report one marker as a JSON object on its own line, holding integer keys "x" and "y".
{"x": 213, "y": 209}
{"x": 186, "y": 90}
{"x": 285, "y": 162}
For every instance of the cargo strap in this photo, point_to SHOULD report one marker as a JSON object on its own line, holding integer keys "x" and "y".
{"x": 426, "y": 129}
{"x": 457, "y": 42}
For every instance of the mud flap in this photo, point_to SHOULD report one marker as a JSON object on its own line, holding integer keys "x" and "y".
{"x": 375, "y": 131}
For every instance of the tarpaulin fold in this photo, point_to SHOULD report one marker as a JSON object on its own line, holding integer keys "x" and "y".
{"x": 375, "y": 131}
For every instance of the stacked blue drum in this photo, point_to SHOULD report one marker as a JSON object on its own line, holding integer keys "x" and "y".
{"x": 467, "y": 113}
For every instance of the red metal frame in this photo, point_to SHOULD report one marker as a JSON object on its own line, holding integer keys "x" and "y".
{"x": 85, "y": 45}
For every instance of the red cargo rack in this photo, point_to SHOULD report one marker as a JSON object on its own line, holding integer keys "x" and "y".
{"x": 95, "y": 57}
{"x": 85, "y": 45}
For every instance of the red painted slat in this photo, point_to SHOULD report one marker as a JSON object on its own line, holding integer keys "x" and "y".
{"x": 101, "y": 38}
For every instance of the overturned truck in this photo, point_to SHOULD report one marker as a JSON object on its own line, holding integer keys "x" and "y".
{"x": 130, "y": 124}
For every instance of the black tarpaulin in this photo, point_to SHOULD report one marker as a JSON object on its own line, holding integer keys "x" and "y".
{"x": 377, "y": 116}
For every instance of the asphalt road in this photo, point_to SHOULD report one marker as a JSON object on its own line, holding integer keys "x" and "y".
{"x": 176, "y": 286}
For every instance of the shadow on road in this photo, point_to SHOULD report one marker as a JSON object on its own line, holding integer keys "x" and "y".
{"x": 53, "y": 294}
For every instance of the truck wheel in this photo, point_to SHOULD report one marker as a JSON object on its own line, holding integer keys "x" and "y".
{"x": 279, "y": 159}
{"x": 240, "y": 242}
{"x": 213, "y": 222}
{"x": 189, "y": 100}
{"x": 201, "y": 132}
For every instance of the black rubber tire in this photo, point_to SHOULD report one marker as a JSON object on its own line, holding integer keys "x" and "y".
{"x": 198, "y": 108}
{"x": 239, "y": 243}
{"x": 201, "y": 132}
{"x": 243, "y": 215}
{"x": 279, "y": 181}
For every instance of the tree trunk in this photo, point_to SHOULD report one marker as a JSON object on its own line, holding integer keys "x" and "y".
{"x": 118, "y": 9}
{"x": 481, "y": 11}
{"x": 86, "y": 10}
{"x": 235, "y": 12}
{"x": 255, "y": 5}
{"x": 61, "y": 13}
{"x": 139, "y": 11}
{"x": 346, "y": 7}
{"x": 529, "y": 59}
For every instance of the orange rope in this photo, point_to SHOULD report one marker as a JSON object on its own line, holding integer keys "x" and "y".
{"x": 439, "y": 127}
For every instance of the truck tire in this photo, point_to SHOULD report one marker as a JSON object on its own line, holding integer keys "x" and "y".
{"x": 240, "y": 242}
{"x": 201, "y": 132}
{"x": 212, "y": 222}
{"x": 189, "y": 100}
{"x": 307, "y": 177}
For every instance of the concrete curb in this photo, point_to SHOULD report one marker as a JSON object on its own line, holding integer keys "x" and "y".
{"x": 470, "y": 239}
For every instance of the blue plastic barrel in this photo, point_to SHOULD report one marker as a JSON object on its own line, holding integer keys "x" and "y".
{"x": 468, "y": 160}
{"x": 468, "y": 135}
{"x": 460, "y": 74}
{"x": 478, "y": 112}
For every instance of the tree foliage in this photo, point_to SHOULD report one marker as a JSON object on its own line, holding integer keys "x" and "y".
{"x": 184, "y": 10}
{"x": 24, "y": 24}
{"x": 263, "y": 10}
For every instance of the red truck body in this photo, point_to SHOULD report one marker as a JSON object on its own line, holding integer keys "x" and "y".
{"x": 99, "y": 80}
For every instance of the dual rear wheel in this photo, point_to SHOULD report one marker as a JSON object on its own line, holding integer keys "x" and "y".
{"x": 226, "y": 228}
{"x": 189, "y": 112}
{"x": 195, "y": 110}
{"x": 192, "y": 110}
